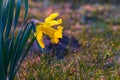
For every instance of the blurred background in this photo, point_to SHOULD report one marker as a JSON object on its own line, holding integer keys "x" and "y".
{"x": 90, "y": 48}
{"x": 76, "y": 12}
{"x": 78, "y": 15}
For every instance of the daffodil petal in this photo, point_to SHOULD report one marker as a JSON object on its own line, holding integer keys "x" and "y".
{"x": 55, "y": 22}
{"x": 48, "y": 30}
{"x": 40, "y": 39}
{"x": 51, "y": 17}
{"x": 54, "y": 40}
{"x": 60, "y": 27}
{"x": 58, "y": 32}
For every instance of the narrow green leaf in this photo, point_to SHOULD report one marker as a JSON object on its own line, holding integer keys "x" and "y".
{"x": 5, "y": 13}
{"x": 25, "y": 37}
{"x": 6, "y": 55}
{"x": 19, "y": 50}
{"x": 24, "y": 40}
{"x": 26, "y": 8}
{"x": 14, "y": 52}
{"x": 18, "y": 6}
{"x": 17, "y": 41}
{"x": 17, "y": 46}
{"x": 1, "y": 6}
{"x": 10, "y": 17}
{"x": 23, "y": 56}
{"x": 1, "y": 53}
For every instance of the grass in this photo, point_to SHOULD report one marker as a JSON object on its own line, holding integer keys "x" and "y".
{"x": 97, "y": 59}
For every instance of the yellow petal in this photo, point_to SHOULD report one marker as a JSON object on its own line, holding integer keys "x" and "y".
{"x": 54, "y": 34}
{"x": 58, "y": 32}
{"x": 60, "y": 27}
{"x": 51, "y": 17}
{"x": 38, "y": 29}
{"x": 55, "y": 22}
{"x": 54, "y": 40}
{"x": 40, "y": 39}
{"x": 48, "y": 31}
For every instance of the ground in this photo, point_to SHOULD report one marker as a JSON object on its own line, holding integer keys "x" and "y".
{"x": 97, "y": 29}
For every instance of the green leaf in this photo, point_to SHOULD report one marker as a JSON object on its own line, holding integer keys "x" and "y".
{"x": 1, "y": 57}
{"x": 5, "y": 13}
{"x": 14, "y": 53}
{"x": 23, "y": 56}
{"x": 26, "y": 9}
{"x": 13, "y": 49}
{"x": 1, "y": 53}
{"x": 23, "y": 40}
{"x": 1, "y": 6}
{"x": 10, "y": 18}
{"x": 25, "y": 37}
{"x": 18, "y": 6}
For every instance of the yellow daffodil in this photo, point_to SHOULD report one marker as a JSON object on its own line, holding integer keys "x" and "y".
{"x": 46, "y": 28}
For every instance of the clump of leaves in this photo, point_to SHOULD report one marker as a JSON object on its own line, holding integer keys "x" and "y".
{"x": 13, "y": 46}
